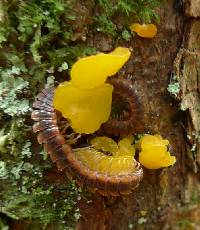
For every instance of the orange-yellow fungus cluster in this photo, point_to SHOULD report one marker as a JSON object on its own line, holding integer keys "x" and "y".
{"x": 120, "y": 162}
{"x": 124, "y": 147}
{"x": 154, "y": 152}
{"x": 107, "y": 156}
{"x": 144, "y": 30}
{"x": 86, "y": 99}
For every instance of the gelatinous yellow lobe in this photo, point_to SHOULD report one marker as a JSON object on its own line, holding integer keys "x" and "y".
{"x": 116, "y": 164}
{"x": 123, "y": 148}
{"x": 126, "y": 146}
{"x": 87, "y": 109}
{"x": 86, "y": 100}
{"x": 144, "y": 30}
{"x": 101, "y": 163}
{"x": 92, "y": 71}
{"x": 154, "y": 152}
{"x": 104, "y": 143}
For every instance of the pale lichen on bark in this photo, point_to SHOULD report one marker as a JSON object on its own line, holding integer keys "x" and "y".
{"x": 187, "y": 71}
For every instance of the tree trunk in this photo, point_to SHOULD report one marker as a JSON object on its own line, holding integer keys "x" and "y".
{"x": 166, "y": 198}
{"x": 165, "y": 71}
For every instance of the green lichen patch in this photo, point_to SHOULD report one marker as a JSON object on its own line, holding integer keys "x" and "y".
{"x": 10, "y": 90}
{"x": 3, "y": 170}
{"x": 174, "y": 86}
{"x": 41, "y": 204}
{"x": 30, "y": 59}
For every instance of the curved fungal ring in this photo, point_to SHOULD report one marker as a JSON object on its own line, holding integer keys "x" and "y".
{"x": 130, "y": 117}
{"x": 65, "y": 157}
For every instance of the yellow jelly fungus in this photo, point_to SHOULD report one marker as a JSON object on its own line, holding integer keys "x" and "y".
{"x": 124, "y": 146}
{"x": 113, "y": 165}
{"x": 92, "y": 71}
{"x": 86, "y": 99}
{"x": 154, "y": 152}
{"x": 105, "y": 143}
{"x": 144, "y": 30}
{"x": 87, "y": 109}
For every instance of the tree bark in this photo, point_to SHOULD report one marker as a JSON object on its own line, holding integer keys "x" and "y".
{"x": 166, "y": 198}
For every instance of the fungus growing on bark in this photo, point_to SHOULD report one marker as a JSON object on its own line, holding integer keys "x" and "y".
{"x": 113, "y": 173}
{"x": 101, "y": 164}
{"x": 86, "y": 99}
{"x": 108, "y": 157}
{"x": 124, "y": 147}
{"x": 154, "y": 153}
{"x": 144, "y": 30}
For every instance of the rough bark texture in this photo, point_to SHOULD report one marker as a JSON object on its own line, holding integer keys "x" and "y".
{"x": 167, "y": 198}
{"x": 188, "y": 76}
{"x": 161, "y": 191}
{"x": 192, "y": 8}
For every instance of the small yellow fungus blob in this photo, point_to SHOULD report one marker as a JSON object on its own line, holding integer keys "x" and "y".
{"x": 92, "y": 71}
{"x": 144, "y": 30}
{"x": 104, "y": 143}
{"x": 126, "y": 146}
{"x": 86, "y": 99}
{"x": 114, "y": 164}
{"x": 87, "y": 109}
{"x": 154, "y": 152}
